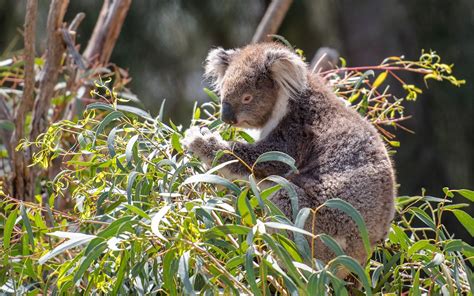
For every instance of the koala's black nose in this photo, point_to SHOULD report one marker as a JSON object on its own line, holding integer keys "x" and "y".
{"x": 227, "y": 114}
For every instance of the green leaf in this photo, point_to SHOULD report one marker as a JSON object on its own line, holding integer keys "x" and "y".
{"x": 355, "y": 215}
{"x": 100, "y": 106}
{"x": 183, "y": 271}
{"x": 352, "y": 265}
{"x": 285, "y": 259}
{"x": 245, "y": 210}
{"x": 27, "y": 224}
{"x": 8, "y": 229}
{"x": 156, "y": 220}
{"x": 419, "y": 245}
{"x": 291, "y": 192}
{"x": 114, "y": 228}
{"x": 137, "y": 211}
{"x": 457, "y": 245}
{"x": 136, "y": 111}
{"x": 300, "y": 241}
{"x": 361, "y": 79}
{"x": 75, "y": 239}
{"x": 332, "y": 244}
{"x": 246, "y": 137}
{"x": 107, "y": 119}
{"x": 316, "y": 283}
{"x": 376, "y": 275}
{"x": 131, "y": 149}
{"x": 131, "y": 179}
{"x": 469, "y": 194}
{"x": 282, "y": 226}
{"x": 212, "y": 95}
{"x": 415, "y": 290}
{"x": 466, "y": 220}
{"x": 121, "y": 272}
{"x": 423, "y": 216}
{"x": 277, "y": 156}
{"x": 250, "y": 275}
{"x": 256, "y": 192}
{"x": 111, "y": 140}
{"x": 175, "y": 143}
{"x": 89, "y": 258}
{"x": 403, "y": 239}
{"x": 205, "y": 178}
{"x": 169, "y": 271}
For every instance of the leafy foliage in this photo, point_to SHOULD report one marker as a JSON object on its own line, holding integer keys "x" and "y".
{"x": 150, "y": 219}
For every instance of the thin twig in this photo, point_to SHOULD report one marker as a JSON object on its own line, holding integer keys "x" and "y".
{"x": 325, "y": 59}
{"x": 379, "y": 67}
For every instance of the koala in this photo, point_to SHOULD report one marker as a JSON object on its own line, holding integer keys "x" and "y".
{"x": 339, "y": 154}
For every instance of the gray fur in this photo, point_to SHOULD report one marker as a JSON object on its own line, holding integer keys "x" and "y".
{"x": 338, "y": 153}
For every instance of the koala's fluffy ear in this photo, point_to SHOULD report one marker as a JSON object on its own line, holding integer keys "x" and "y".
{"x": 217, "y": 62}
{"x": 288, "y": 70}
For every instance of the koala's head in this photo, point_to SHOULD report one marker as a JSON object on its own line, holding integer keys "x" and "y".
{"x": 255, "y": 82}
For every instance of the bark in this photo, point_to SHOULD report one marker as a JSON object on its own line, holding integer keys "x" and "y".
{"x": 106, "y": 31}
{"x": 54, "y": 52}
{"x": 272, "y": 20}
{"x": 22, "y": 187}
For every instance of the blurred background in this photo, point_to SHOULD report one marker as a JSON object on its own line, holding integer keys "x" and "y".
{"x": 163, "y": 45}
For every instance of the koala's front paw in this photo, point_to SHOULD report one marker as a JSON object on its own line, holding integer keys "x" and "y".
{"x": 193, "y": 139}
{"x": 203, "y": 143}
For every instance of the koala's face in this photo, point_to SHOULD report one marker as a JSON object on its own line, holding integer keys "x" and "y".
{"x": 248, "y": 95}
{"x": 250, "y": 81}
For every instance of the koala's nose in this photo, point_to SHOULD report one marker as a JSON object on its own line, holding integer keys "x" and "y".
{"x": 227, "y": 114}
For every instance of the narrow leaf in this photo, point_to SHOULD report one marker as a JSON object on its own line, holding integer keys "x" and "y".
{"x": 8, "y": 230}
{"x": 379, "y": 80}
{"x": 212, "y": 179}
{"x": 277, "y": 156}
{"x": 355, "y": 215}
{"x": 27, "y": 224}
{"x": 183, "y": 271}
{"x": 250, "y": 275}
{"x": 466, "y": 220}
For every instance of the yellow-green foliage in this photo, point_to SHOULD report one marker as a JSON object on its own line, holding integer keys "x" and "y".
{"x": 150, "y": 219}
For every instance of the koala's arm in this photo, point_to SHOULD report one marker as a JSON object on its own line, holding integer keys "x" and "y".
{"x": 206, "y": 145}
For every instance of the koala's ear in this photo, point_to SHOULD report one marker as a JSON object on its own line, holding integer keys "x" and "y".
{"x": 217, "y": 62}
{"x": 288, "y": 70}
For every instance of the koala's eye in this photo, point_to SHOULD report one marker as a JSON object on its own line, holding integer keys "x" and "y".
{"x": 247, "y": 99}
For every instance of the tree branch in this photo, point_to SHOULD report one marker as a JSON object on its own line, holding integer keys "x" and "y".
{"x": 106, "y": 31}
{"x": 49, "y": 77}
{"x": 272, "y": 20}
{"x": 22, "y": 186}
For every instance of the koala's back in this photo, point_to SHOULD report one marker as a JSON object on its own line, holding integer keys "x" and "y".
{"x": 341, "y": 156}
